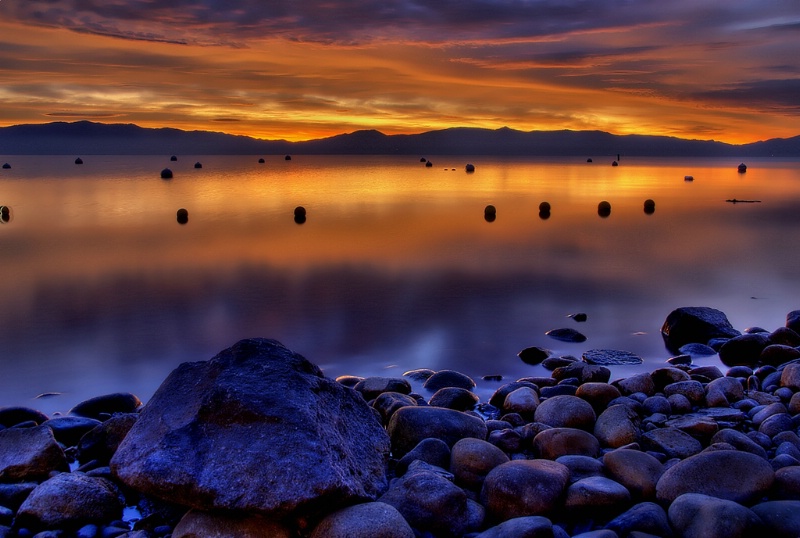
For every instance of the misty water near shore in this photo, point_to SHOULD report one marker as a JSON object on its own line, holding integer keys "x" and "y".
{"x": 395, "y": 267}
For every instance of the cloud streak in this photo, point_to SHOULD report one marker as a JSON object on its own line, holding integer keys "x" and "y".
{"x": 294, "y": 70}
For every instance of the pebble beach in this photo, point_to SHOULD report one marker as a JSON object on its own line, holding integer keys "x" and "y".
{"x": 256, "y": 442}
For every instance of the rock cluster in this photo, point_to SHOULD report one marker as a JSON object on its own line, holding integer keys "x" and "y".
{"x": 256, "y": 442}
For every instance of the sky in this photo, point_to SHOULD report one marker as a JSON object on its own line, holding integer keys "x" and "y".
{"x": 297, "y": 70}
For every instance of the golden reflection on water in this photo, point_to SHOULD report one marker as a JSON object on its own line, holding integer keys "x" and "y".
{"x": 395, "y": 262}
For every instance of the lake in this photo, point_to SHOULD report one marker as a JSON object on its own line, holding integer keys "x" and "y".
{"x": 396, "y": 266}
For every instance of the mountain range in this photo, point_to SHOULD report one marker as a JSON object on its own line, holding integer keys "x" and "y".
{"x": 92, "y": 138}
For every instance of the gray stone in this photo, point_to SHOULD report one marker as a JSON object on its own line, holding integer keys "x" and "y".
{"x": 197, "y": 524}
{"x": 777, "y": 354}
{"x": 781, "y": 519}
{"x": 524, "y": 488}
{"x": 102, "y": 442}
{"x": 666, "y": 376}
{"x": 448, "y": 378}
{"x": 372, "y": 387}
{"x": 70, "y": 500}
{"x": 29, "y": 454}
{"x": 638, "y": 471}
{"x": 566, "y": 335}
{"x": 534, "y": 355}
{"x": 689, "y": 325}
{"x": 520, "y": 527}
{"x": 672, "y": 442}
{"x": 740, "y": 441}
{"x": 523, "y": 401}
{"x": 693, "y": 390}
{"x": 582, "y": 467}
{"x": 566, "y": 412}
{"x": 695, "y": 515}
{"x": 697, "y": 350}
{"x": 697, "y": 425}
{"x": 787, "y": 483}
{"x": 610, "y": 357}
{"x": 454, "y": 398}
{"x": 556, "y": 442}
{"x": 597, "y": 394}
{"x": 642, "y": 382}
{"x": 431, "y": 450}
{"x": 596, "y": 495}
{"x": 364, "y": 521}
{"x": 744, "y": 349}
{"x": 270, "y": 433}
{"x": 388, "y": 402}
{"x": 68, "y": 430}
{"x": 793, "y": 320}
{"x": 617, "y": 426}
{"x": 429, "y": 502}
{"x": 410, "y": 425}
{"x": 790, "y": 377}
{"x": 737, "y": 476}
{"x": 102, "y": 407}
{"x": 775, "y": 424}
{"x": 13, "y": 495}
{"x": 644, "y": 517}
{"x": 723, "y": 392}
{"x": 472, "y": 459}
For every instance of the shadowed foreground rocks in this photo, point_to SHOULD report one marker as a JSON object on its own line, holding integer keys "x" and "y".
{"x": 256, "y": 442}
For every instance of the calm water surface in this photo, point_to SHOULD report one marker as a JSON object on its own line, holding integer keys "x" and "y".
{"x": 394, "y": 269}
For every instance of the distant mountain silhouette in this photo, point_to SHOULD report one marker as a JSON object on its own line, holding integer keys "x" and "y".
{"x": 87, "y": 138}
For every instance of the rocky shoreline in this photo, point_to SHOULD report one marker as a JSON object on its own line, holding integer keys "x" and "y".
{"x": 256, "y": 442}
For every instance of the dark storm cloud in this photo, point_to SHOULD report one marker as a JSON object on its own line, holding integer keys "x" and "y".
{"x": 232, "y": 22}
{"x": 779, "y": 95}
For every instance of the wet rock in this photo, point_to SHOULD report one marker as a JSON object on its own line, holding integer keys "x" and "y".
{"x": 523, "y": 401}
{"x": 787, "y": 483}
{"x": 666, "y": 376}
{"x": 698, "y": 426}
{"x": 29, "y": 454}
{"x": 723, "y": 391}
{"x": 597, "y": 394}
{"x": 388, "y": 402}
{"x": 13, "y": 495}
{"x": 524, "y": 488}
{"x": 617, "y": 426}
{"x": 780, "y": 519}
{"x": 689, "y": 325}
{"x": 11, "y": 416}
{"x": 744, "y": 349}
{"x": 636, "y": 383}
{"x": 610, "y": 357}
{"x": 556, "y": 442}
{"x": 499, "y": 397}
{"x": 777, "y": 354}
{"x": 533, "y": 355}
{"x": 69, "y": 430}
{"x": 270, "y": 432}
{"x": 448, "y": 378}
{"x": 454, "y": 398}
{"x": 551, "y": 363}
{"x": 581, "y": 467}
{"x": 672, "y": 442}
{"x": 472, "y": 459}
{"x": 410, "y": 425}
{"x": 372, "y": 387}
{"x": 740, "y": 441}
{"x": 70, "y": 500}
{"x": 429, "y": 502}
{"x": 596, "y": 496}
{"x": 433, "y": 451}
{"x": 727, "y": 474}
{"x": 646, "y": 517}
{"x": 793, "y": 321}
{"x": 566, "y": 412}
{"x": 364, "y": 521}
{"x": 636, "y": 470}
{"x": 695, "y": 515}
{"x": 693, "y": 390}
{"x": 566, "y": 335}
{"x": 102, "y": 407}
{"x": 697, "y": 350}
{"x": 197, "y": 524}
{"x": 521, "y": 527}
{"x": 420, "y": 374}
{"x": 790, "y": 377}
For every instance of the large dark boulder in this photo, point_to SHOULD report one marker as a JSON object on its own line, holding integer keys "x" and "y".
{"x": 695, "y": 324}
{"x": 256, "y": 429}
{"x": 29, "y": 454}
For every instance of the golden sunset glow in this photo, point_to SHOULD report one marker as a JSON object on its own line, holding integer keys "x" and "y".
{"x": 722, "y": 71}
